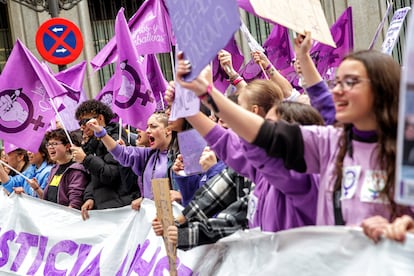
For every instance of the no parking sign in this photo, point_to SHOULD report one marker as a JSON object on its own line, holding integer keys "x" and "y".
{"x": 59, "y": 41}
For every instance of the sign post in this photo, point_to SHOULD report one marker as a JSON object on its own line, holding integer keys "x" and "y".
{"x": 59, "y": 41}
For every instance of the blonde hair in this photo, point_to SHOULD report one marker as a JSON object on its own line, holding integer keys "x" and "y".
{"x": 263, "y": 93}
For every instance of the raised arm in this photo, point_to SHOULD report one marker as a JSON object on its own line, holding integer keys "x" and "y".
{"x": 226, "y": 63}
{"x": 100, "y": 132}
{"x": 273, "y": 73}
{"x": 243, "y": 122}
{"x": 302, "y": 47}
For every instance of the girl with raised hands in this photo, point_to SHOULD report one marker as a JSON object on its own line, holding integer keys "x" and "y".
{"x": 276, "y": 204}
{"x": 148, "y": 162}
{"x": 356, "y": 161}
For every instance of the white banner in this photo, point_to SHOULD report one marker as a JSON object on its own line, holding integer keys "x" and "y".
{"x": 41, "y": 238}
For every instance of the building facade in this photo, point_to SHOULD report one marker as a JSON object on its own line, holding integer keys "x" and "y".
{"x": 95, "y": 18}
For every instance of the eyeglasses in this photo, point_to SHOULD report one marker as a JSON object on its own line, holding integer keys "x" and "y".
{"x": 53, "y": 144}
{"x": 85, "y": 120}
{"x": 347, "y": 83}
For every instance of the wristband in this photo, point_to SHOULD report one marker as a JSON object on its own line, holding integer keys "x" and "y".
{"x": 233, "y": 78}
{"x": 100, "y": 134}
{"x": 268, "y": 66}
{"x": 202, "y": 96}
{"x": 236, "y": 81}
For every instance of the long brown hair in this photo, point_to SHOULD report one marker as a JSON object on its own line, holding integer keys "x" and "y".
{"x": 384, "y": 74}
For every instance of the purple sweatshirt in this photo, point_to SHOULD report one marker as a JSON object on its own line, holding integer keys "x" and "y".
{"x": 285, "y": 199}
{"x": 144, "y": 162}
{"x": 362, "y": 181}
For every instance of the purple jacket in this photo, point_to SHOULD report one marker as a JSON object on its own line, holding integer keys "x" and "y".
{"x": 321, "y": 99}
{"x": 71, "y": 186}
{"x": 144, "y": 162}
{"x": 285, "y": 199}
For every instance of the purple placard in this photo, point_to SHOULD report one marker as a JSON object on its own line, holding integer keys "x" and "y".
{"x": 191, "y": 145}
{"x": 202, "y": 28}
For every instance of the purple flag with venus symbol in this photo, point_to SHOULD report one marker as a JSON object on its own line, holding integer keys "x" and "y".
{"x": 25, "y": 109}
{"x": 133, "y": 99}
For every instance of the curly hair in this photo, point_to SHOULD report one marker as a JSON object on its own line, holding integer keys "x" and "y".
{"x": 384, "y": 74}
{"x": 94, "y": 107}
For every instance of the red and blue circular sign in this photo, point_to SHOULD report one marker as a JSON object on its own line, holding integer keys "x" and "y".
{"x": 59, "y": 41}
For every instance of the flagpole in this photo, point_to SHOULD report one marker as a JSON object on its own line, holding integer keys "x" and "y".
{"x": 264, "y": 72}
{"x": 162, "y": 100}
{"x": 13, "y": 169}
{"x": 381, "y": 25}
{"x": 172, "y": 64}
{"x": 120, "y": 128}
{"x": 61, "y": 121}
{"x": 129, "y": 134}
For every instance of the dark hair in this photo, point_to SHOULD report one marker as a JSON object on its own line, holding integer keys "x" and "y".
{"x": 296, "y": 112}
{"x": 20, "y": 151}
{"x": 384, "y": 74}
{"x": 57, "y": 134}
{"x": 94, "y": 107}
{"x": 43, "y": 151}
{"x": 76, "y": 137}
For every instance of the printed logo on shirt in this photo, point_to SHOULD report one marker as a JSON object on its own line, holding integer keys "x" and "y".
{"x": 374, "y": 183}
{"x": 350, "y": 179}
{"x": 251, "y": 207}
{"x": 55, "y": 180}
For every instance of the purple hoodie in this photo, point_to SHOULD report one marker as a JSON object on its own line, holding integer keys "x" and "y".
{"x": 285, "y": 199}
{"x": 145, "y": 162}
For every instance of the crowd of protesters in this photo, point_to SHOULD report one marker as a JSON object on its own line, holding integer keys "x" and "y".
{"x": 276, "y": 158}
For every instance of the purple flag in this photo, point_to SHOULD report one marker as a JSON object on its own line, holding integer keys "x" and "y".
{"x": 25, "y": 110}
{"x": 133, "y": 99}
{"x": 219, "y": 75}
{"x": 157, "y": 81}
{"x": 106, "y": 95}
{"x": 72, "y": 79}
{"x": 150, "y": 30}
{"x": 278, "y": 48}
{"x": 327, "y": 58}
{"x": 202, "y": 28}
{"x": 251, "y": 71}
{"x": 245, "y": 4}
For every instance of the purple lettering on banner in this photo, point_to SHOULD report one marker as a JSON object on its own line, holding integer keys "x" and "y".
{"x": 139, "y": 265}
{"x": 122, "y": 267}
{"x": 39, "y": 256}
{"x": 26, "y": 240}
{"x": 65, "y": 246}
{"x": 163, "y": 265}
{"x": 93, "y": 267}
{"x": 84, "y": 250}
{"x": 4, "y": 248}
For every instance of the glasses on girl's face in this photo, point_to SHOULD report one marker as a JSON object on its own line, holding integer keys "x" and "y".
{"x": 347, "y": 83}
{"x": 85, "y": 120}
{"x": 53, "y": 144}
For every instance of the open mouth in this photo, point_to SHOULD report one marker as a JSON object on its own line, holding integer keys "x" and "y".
{"x": 341, "y": 105}
{"x": 151, "y": 140}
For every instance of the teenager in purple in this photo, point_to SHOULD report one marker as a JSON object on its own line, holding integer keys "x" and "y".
{"x": 151, "y": 162}
{"x": 275, "y": 205}
{"x": 356, "y": 161}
